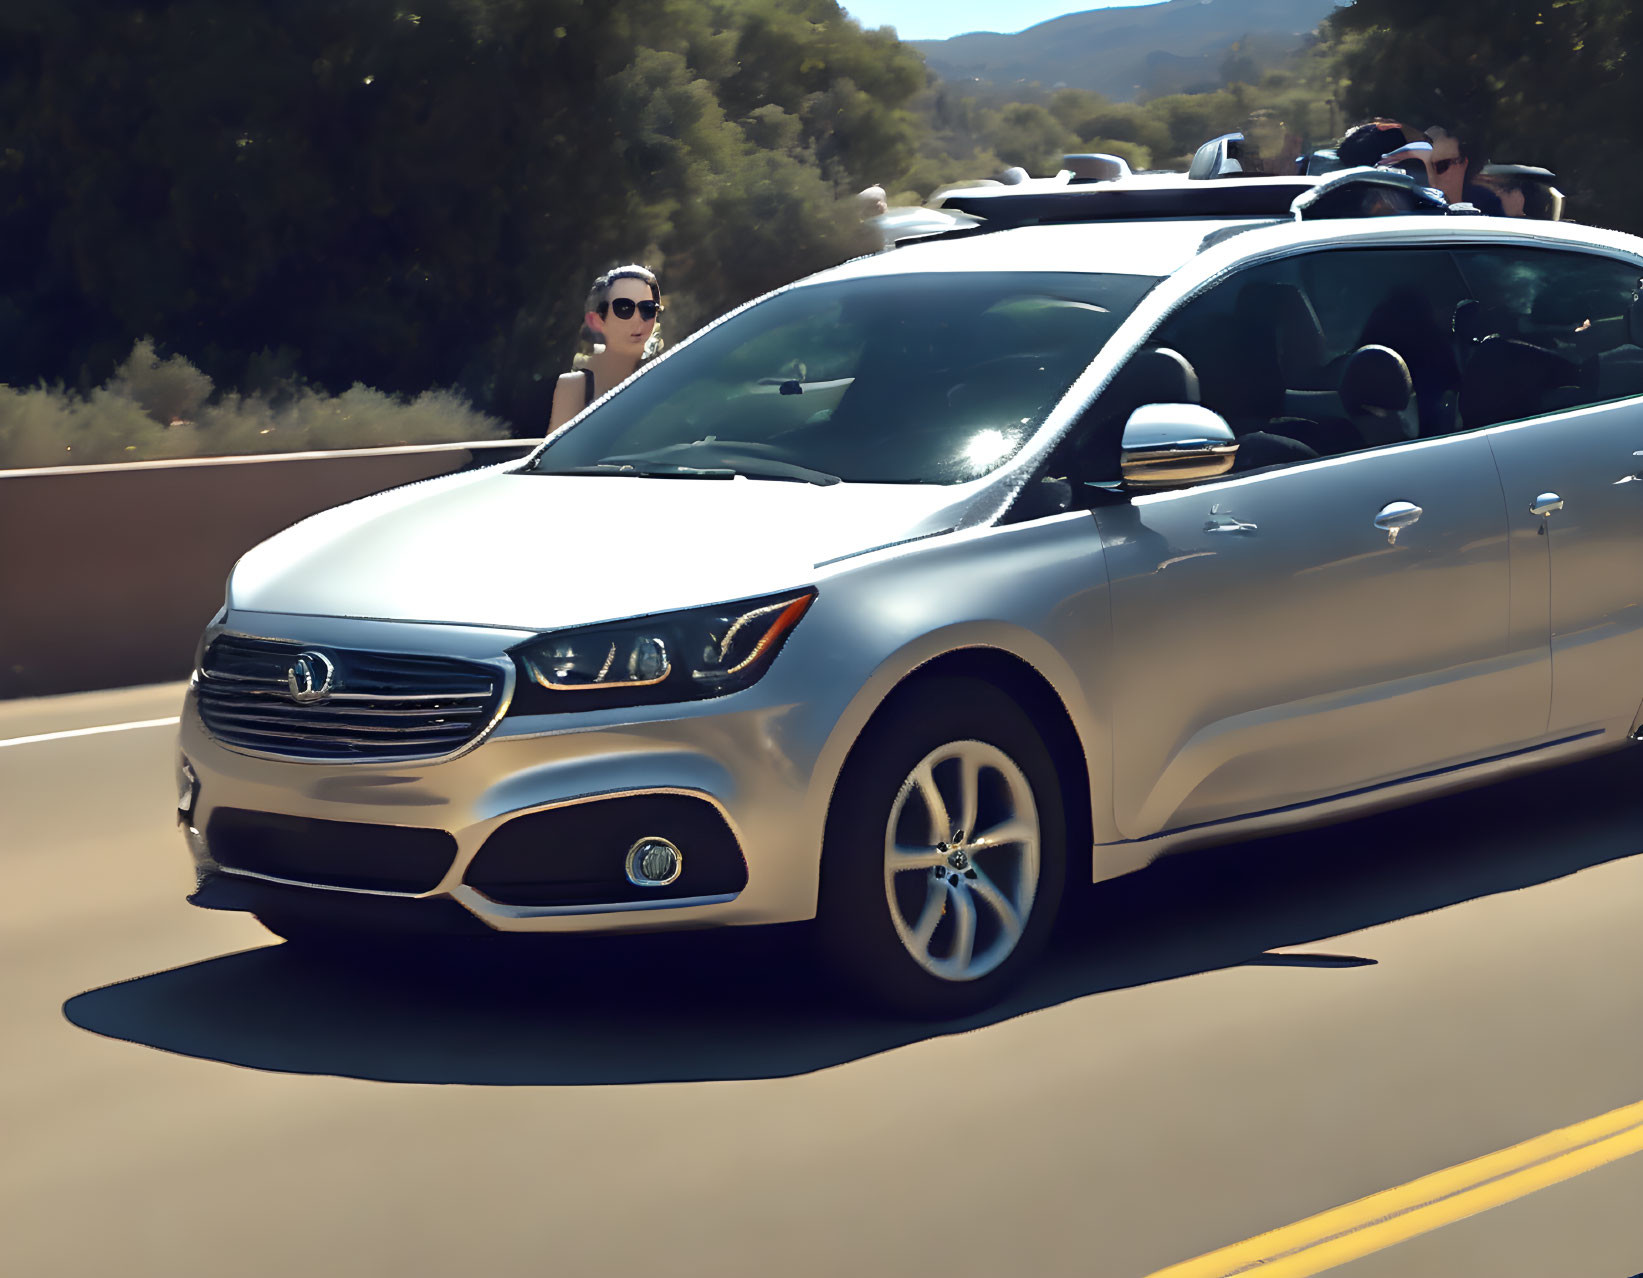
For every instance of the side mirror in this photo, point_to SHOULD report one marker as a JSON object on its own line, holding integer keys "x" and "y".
{"x": 1324, "y": 160}
{"x": 1219, "y": 157}
{"x": 1097, "y": 167}
{"x": 1166, "y": 445}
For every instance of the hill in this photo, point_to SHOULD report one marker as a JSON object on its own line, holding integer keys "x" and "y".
{"x": 1173, "y": 47}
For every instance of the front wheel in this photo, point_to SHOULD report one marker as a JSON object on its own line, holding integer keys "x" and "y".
{"x": 945, "y": 855}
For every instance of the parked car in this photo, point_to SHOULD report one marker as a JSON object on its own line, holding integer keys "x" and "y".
{"x": 1140, "y": 516}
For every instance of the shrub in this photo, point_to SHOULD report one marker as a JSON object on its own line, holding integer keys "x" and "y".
{"x": 165, "y": 408}
{"x": 169, "y": 391}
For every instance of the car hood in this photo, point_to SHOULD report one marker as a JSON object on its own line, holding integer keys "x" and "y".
{"x": 536, "y": 552}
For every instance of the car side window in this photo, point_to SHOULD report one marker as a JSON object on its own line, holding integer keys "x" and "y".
{"x": 1544, "y": 330}
{"x": 1327, "y": 353}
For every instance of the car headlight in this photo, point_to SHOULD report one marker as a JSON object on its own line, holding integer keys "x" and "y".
{"x": 678, "y": 656}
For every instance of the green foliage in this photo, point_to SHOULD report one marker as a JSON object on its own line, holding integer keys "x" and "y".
{"x": 404, "y": 198}
{"x": 1030, "y": 136}
{"x": 307, "y": 197}
{"x": 1092, "y": 118}
{"x": 170, "y": 391}
{"x": 153, "y": 408}
{"x": 1558, "y": 84}
{"x": 967, "y": 127}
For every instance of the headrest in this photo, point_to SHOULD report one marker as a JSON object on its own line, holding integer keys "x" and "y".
{"x": 1156, "y": 375}
{"x": 1467, "y": 321}
{"x": 1474, "y": 320}
{"x": 1375, "y": 378}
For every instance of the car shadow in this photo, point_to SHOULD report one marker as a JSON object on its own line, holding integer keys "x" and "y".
{"x": 744, "y": 1005}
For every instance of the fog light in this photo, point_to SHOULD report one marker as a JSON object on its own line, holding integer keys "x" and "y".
{"x": 654, "y": 862}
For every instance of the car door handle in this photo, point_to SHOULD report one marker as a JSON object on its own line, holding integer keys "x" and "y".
{"x": 1394, "y": 517}
{"x": 1229, "y": 525}
{"x": 1545, "y": 504}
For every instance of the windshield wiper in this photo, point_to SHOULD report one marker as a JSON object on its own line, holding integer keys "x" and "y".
{"x": 656, "y": 470}
{"x": 770, "y": 468}
{"x": 747, "y": 459}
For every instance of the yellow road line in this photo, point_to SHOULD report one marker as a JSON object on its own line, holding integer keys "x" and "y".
{"x": 1345, "y": 1233}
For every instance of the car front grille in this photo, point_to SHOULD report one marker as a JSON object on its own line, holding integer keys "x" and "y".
{"x": 379, "y": 705}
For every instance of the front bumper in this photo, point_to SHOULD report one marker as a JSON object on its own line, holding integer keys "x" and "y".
{"x": 731, "y": 781}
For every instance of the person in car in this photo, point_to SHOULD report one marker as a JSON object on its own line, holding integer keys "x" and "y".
{"x": 1445, "y": 161}
{"x": 1524, "y": 190}
{"x": 1451, "y": 165}
{"x": 1366, "y": 144}
{"x": 621, "y": 319}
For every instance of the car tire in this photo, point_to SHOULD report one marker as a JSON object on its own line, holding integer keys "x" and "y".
{"x": 925, "y": 918}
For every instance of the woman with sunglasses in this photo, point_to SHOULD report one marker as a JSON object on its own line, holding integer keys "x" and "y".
{"x": 1446, "y": 162}
{"x": 621, "y": 320}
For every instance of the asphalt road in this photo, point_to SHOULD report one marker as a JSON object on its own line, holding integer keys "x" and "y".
{"x": 1224, "y": 1044}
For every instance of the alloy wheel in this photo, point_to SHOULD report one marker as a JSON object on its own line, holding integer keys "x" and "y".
{"x": 962, "y": 859}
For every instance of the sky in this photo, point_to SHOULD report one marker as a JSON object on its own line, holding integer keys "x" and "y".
{"x": 938, "y": 19}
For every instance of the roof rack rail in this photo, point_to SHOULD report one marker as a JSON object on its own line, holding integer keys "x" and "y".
{"x": 1346, "y": 193}
{"x": 1122, "y": 202}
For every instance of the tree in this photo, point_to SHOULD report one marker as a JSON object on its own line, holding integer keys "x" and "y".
{"x": 1549, "y": 82}
{"x": 370, "y": 190}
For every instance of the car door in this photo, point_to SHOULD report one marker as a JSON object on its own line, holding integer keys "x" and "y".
{"x": 1312, "y": 628}
{"x": 1571, "y": 463}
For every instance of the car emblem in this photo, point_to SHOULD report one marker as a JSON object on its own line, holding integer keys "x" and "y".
{"x": 309, "y": 678}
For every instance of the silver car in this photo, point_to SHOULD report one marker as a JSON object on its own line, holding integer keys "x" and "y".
{"x": 1126, "y": 520}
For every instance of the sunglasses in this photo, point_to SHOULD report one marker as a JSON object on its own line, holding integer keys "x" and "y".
{"x": 623, "y": 308}
{"x": 1440, "y": 167}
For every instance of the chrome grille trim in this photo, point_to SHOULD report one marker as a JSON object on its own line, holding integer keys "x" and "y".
{"x": 211, "y": 677}
{"x": 318, "y": 722}
{"x": 370, "y": 717}
{"x": 249, "y": 713}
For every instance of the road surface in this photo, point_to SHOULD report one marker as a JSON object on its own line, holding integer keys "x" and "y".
{"x": 1223, "y": 1045}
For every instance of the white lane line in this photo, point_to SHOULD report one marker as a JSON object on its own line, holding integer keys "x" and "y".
{"x": 89, "y": 732}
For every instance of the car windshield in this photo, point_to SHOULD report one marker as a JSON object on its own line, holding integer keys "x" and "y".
{"x": 915, "y": 378}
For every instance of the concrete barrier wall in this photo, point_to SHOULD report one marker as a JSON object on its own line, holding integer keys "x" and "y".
{"x": 109, "y": 573}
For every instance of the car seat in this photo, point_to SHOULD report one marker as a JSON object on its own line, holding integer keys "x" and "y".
{"x": 1619, "y": 371}
{"x": 1507, "y": 379}
{"x": 1376, "y": 395}
{"x": 1406, "y": 323}
{"x": 1377, "y": 392}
